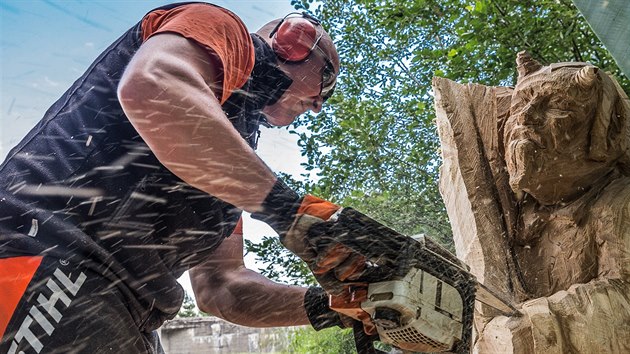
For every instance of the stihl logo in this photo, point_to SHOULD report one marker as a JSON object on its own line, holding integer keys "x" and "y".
{"x": 46, "y": 310}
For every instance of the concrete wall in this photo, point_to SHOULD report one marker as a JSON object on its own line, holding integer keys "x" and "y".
{"x": 210, "y": 335}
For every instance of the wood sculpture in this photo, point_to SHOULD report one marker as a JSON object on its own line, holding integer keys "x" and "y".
{"x": 536, "y": 180}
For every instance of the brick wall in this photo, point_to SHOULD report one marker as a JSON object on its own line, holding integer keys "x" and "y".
{"x": 211, "y": 335}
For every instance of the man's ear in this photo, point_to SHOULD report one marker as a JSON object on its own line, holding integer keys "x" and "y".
{"x": 609, "y": 133}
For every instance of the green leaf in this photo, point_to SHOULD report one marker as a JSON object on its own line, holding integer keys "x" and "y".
{"x": 480, "y": 6}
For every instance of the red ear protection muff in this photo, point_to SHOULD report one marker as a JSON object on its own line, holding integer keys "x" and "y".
{"x": 294, "y": 38}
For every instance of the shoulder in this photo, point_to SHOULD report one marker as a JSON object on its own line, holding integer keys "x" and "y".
{"x": 214, "y": 28}
{"x": 192, "y": 18}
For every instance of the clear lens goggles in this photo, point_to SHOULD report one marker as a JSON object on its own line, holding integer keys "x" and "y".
{"x": 329, "y": 80}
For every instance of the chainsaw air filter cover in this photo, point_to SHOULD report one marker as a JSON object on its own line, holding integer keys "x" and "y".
{"x": 419, "y": 312}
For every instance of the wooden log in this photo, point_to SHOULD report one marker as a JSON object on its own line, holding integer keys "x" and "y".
{"x": 482, "y": 216}
{"x": 536, "y": 183}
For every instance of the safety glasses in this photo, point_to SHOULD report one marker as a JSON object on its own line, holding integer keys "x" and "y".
{"x": 329, "y": 79}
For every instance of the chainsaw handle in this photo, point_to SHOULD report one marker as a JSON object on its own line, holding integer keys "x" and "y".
{"x": 385, "y": 251}
{"x": 387, "y": 254}
{"x": 363, "y": 341}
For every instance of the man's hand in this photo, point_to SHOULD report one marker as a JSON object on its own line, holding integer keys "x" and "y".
{"x": 293, "y": 218}
{"x": 319, "y": 313}
{"x": 312, "y": 228}
{"x": 324, "y": 252}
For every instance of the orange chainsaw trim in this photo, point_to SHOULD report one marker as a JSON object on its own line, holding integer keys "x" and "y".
{"x": 341, "y": 258}
{"x": 15, "y": 275}
{"x": 317, "y": 207}
{"x": 238, "y": 229}
{"x": 348, "y": 303}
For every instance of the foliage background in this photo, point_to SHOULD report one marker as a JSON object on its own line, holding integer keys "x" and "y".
{"x": 375, "y": 145}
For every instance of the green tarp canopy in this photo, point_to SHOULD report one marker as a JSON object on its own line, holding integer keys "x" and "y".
{"x": 610, "y": 20}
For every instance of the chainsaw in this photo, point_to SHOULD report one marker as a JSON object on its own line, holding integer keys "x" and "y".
{"x": 418, "y": 296}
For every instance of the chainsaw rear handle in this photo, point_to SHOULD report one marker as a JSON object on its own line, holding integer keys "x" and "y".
{"x": 364, "y": 342}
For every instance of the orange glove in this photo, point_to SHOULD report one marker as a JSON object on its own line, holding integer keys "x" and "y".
{"x": 324, "y": 254}
{"x": 334, "y": 265}
{"x": 292, "y": 217}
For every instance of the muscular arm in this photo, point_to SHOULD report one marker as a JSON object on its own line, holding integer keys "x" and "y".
{"x": 224, "y": 287}
{"x": 168, "y": 92}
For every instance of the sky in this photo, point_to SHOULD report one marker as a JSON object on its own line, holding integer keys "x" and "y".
{"x": 46, "y": 45}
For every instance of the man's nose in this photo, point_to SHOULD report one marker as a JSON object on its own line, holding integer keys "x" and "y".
{"x": 317, "y": 104}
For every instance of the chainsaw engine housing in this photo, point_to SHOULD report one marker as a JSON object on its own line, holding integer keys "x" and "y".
{"x": 419, "y": 296}
{"x": 418, "y": 313}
